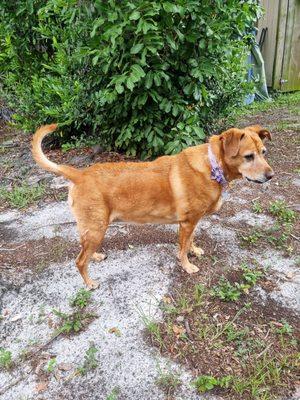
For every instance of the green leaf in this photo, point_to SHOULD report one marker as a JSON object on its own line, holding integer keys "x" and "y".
{"x": 138, "y": 70}
{"x": 136, "y": 48}
{"x": 119, "y": 88}
{"x": 130, "y": 84}
{"x": 135, "y": 16}
{"x": 149, "y": 80}
{"x": 157, "y": 79}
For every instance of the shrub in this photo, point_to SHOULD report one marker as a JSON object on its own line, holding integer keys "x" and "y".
{"x": 148, "y": 77}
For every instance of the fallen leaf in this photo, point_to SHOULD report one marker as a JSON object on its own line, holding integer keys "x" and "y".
{"x": 178, "y": 330}
{"x": 167, "y": 300}
{"x": 116, "y": 331}
{"x": 65, "y": 366}
{"x": 41, "y": 386}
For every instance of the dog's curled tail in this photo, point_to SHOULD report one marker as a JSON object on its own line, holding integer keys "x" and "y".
{"x": 68, "y": 172}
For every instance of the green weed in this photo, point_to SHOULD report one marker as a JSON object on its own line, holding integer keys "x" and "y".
{"x": 81, "y": 299}
{"x": 282, "y": 212}
{"x": 114, "y": 394}
{"x": 5, "y": 359}
{"x": 286, "y": 329}
{"x": 168, "y": 382}
{"x": 257, "y": 207}
{"x": 205, "y": 383}
{"x": 252, "y": 239}
{"x": 73, "y": 322}
{"x": 22, "y": 196}
{"x": 50, "y": 367}
{"x": 90, "y": 360}
{"x": 199, "y": 291}
{"x": 227, "y": 291}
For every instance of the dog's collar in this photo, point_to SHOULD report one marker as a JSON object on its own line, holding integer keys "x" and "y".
{"x": 217, "y": 172}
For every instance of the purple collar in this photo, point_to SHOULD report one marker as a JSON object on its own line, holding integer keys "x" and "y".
{"x": 217, "y": 172}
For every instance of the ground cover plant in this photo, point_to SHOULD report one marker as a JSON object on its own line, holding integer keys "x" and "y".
{"x": 280, "y": 234}
{"x": 80, "y": 316}
{"x": 147, "y": 77}
{"x": 234, "y": 346}
{"x": 20, "y": 196}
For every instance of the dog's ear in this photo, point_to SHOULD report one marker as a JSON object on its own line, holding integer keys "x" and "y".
{"x": 263, "y": 133}
{"x": 231, "y": 141}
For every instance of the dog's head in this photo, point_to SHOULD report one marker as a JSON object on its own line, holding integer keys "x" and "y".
{"x": 244, "y": 153}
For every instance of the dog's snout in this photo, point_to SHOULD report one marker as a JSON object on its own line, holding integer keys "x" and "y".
{"x": 269, "y": 175}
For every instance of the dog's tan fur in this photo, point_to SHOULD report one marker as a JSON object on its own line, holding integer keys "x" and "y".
{"x": 172, "y": 189}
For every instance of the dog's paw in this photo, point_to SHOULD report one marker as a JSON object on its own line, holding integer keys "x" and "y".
{"x": 92, "y": 285}
{"x": 197, "y": 251}
{"x": 190, "y": 268}
{"x": 99, "y": 256}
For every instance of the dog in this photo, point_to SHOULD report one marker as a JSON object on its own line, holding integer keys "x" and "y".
{"x": 176, "y": 189}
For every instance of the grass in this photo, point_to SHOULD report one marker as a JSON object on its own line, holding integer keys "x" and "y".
{"x": 5, "y": 359}
{"x": 287, "y": 100}
{"x": 22, "y": 196}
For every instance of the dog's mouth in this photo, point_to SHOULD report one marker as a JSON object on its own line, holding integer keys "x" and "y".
{"x": 254, "y": 180}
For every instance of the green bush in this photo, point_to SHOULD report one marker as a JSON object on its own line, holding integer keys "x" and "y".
{"x": 144, "y": 76}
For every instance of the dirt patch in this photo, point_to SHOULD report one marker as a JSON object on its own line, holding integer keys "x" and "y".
{"x": 233, "y": 339}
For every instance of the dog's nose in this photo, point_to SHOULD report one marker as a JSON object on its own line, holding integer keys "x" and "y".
{"x": 269, "y": 175}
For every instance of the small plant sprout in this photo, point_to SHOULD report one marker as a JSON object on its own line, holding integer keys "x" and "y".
{"x": 113, "y": 394}
{"x": 205, "y": 383}
{"x": 252, "y": 238}
{"x": 168, "y": 382}
{"x": 90, "y": 360}
{"x": 5, "y": 359}
{"x": 282, "y": 212}
{"x": 257, "y": 207}
{"x": 199, "y": 290}
{"x": 50, "y": 367}
{"x": 285, "y": 329}
{"x": 81, "y": 299}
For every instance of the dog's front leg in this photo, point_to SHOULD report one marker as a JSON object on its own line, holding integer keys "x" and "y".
{"x": 186, "y": 230}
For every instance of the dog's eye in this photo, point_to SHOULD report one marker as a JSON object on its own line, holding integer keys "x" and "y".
{"x": 249, "y": 157}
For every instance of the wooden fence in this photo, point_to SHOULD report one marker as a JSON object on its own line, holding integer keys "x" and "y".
{"x": 281, "y": 49}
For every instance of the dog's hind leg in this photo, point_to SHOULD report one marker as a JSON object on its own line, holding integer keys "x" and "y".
{"x": 186, "y": 230}
{"x": 91, "y": 236}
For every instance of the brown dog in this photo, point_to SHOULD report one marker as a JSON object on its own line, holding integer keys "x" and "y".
{"x": 178, "y": 189}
